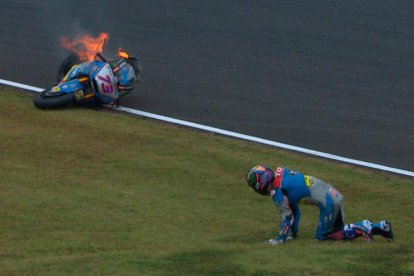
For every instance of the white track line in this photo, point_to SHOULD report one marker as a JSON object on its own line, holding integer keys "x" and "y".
{"x": 20, "y": 85}
{"x": 238, "y": 135}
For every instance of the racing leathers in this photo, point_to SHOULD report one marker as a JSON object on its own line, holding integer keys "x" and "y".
{"x": 290, "y": 188}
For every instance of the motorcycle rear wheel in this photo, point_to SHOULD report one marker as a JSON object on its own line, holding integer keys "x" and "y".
{"x": 66, "y": 65}
{"x": 44, "y": 101}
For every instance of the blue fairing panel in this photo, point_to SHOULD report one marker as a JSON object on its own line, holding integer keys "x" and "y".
{"x": 84, "y": 69}
{"x": 67, "y": 87}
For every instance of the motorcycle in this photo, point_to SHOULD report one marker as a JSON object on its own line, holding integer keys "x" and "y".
{"x": 99, "y": 81}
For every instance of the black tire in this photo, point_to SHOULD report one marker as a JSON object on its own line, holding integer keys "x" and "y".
{"x": 66, "y": 65}
{"x": 44, "y": 101}
{"x": 134, "y": 62}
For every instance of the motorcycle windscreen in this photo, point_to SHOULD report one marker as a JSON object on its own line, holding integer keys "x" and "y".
{"x": 106, "y": 83}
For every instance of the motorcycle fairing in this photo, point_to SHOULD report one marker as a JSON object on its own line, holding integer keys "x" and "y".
{"x": 105, "y": 83}
{"x": 79, "y": 70}
{"x": 102, "y": 79}
{"x": 65, "y": 87}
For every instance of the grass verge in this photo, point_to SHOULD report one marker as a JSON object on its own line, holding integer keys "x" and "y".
{"x": 93, "y": 192}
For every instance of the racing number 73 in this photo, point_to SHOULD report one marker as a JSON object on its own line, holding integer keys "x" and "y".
{"x": 107, "y": 88}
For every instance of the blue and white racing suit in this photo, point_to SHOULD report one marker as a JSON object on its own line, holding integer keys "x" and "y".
{"x": 290, "y": 188}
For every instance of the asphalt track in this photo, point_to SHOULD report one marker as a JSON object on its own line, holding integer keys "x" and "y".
{"x": 332, "y": 76}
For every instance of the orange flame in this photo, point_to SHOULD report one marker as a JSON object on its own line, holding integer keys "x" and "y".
{"x": 85, "y": 46}
{"x": 121, "y": 53}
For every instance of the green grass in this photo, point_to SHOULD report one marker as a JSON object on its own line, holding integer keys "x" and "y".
{"x": 94, "y": 192}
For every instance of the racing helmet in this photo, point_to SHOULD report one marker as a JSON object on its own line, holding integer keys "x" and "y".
{"x": 259, "y": 178}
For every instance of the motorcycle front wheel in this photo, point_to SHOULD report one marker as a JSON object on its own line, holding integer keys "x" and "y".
{"x": 45, "y": 101}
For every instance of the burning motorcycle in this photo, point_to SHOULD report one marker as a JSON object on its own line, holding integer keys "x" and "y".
{"x": 100, "y": 81}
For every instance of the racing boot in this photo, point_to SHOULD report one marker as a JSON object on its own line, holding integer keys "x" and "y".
{"x": 384, "y": 229}
{"x": 292, "y": 235}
